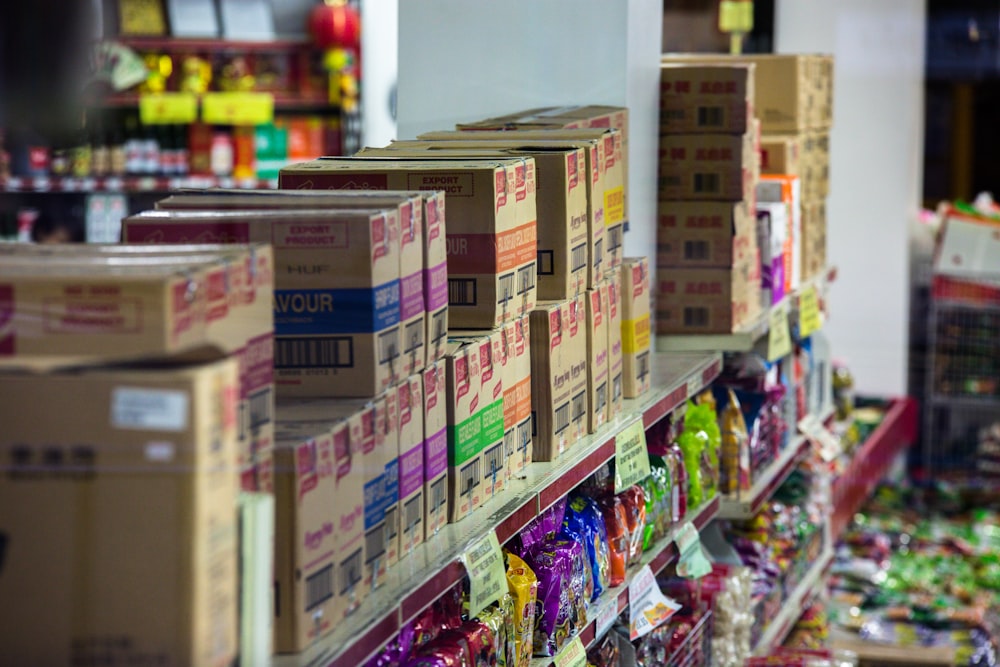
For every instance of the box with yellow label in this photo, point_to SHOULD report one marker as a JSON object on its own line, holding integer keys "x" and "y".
{"x": 598, "y": 375}
{"x": 635, "y": 327}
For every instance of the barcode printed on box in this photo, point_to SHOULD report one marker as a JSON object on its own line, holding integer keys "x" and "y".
{"x": 616, "y": 388}
{"x": 534, "y": 423}
{"x": 493, "y": 460}
{"x": 696, "y": 250}
{"x": 374, "y": 544}
{"x": 413, "y": 513}
{"x": 413, "y": 336}
{"x": 546, "y": 262}
{"x": 707, "y": 183}
{"x": 319, "y": 587}
{"x": 438, "y": 495}
{"x": 242, "y": 420}
{"x": 643, "y": 365}
{"x": 615, "y": 238}
{"x": 710, "y": 116}
{"x": 261, "y": 409}
{"x": 696, "y": 316}
{"x": 334, "y": 352}
{"x": 670, "y": 181}
{"x": 462, "y": 292}
{"x": 391, "y": 524}
{"x": 510, "y": 442}
{"x": 505, "y": 291}
{"x": 440, "y": 331}
{"x": 598, "y": 253}
{"x": 602, "y": 396}
{"x": 388, "y": 346}
{"x": 468, "y": 478}
{"x": 350, "y": 572}
{"x": 579, "y": 258}
{"x": 525, "y": 278}
{"x": 525, "y": 431}
{"x": 562, "y": 418}
{"x": 580, "y": 406}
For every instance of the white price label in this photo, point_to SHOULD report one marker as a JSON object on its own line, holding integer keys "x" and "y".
{"x": 694, "y": 386}
{"x": 826, "y": 443}
{"x": 487, "y": 578}
{"x": 606, "y": 619}
{"x": 779, "y": 338}
{"x": 649, "y": 608}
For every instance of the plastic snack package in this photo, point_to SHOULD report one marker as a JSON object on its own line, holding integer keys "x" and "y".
{"x": 616, "y": 524}
{"x": 523, "y": 587}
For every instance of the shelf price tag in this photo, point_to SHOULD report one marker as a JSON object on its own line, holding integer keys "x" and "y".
{"x": 631, "y": 458}
{"x": 168, "y": 108}
{"x": 648, "y": 607}
{"x": 809, "y": 315}
{"x": 736, "y": 15}
{"x": 826, "y": 443}
{"x": 572, "y": 655}
{"x": 692, "y": 564}
{"x": 779, "y": 339}
{"x": 237, "y": 108}
{"x": 487, "y": 579}
{"x": 607, "y": 617}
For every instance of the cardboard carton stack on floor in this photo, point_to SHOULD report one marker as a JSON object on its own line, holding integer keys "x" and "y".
{"x": 707, "y": 260}
{"x": 124, "y": 397}
{"x": 360, "y": 309}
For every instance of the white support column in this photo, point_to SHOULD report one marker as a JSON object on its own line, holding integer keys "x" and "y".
{"x": 380, "y": 50}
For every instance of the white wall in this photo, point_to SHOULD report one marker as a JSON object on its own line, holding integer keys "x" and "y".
{"x": 876, "y": 149}
{"x": 461, "y": 60}
{"x": 379, "y": 65}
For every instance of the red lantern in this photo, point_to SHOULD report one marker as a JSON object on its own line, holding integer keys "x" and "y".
{"x": 335, "y": 24}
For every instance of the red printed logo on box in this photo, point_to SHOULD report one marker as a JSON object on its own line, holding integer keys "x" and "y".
{"x": 500, "y": 186}
{"x": 555, "y": 327}
{"x": 572, "y": 173}
{"x": 595, "y": 304}
{"x": 520, "y": 183}
{"x": 637, "y": 280}
{"x": 305, "y": 461}
{"x": 609, "y": 152}
{"x": 595, "y": 163}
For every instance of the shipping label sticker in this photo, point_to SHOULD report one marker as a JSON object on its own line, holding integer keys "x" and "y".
{"x": 631, "y": 458}
{"x": 487, "y": 577}
{"x": 149, "y": 409}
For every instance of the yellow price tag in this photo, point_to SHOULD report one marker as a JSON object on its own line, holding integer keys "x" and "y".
{"x": 809, "y": 315}
{"x": 168, "y": 108}
{"x": 736, "y": 15}
{"x": 487, "y": 578}
{"x": 237, "y": 108}
{"x": 779, "y": 339}
{"x": 572, "y": 655}
{"x": 631, "y": 458}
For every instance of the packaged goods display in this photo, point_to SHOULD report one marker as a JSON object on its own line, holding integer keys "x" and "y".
{"x": 635, "y": 305}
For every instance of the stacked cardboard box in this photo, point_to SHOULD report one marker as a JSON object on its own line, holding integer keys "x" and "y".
{"x": 126, "y": 521}
{"x": 707, "y": 260}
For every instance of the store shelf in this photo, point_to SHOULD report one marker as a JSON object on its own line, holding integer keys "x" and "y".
{"x": 871, "y": 460}
{"x": 423, "y": 575}
{"x": 173, "y": 44}
{"x": 664, "y": 553}
{"x": 282, "y": 101}
{"x": 795, "y": 604}
{"x": 128, "y": 183}
{"x": 751, "y": 502}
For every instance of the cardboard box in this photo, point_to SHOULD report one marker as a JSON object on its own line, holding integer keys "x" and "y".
{"x": 715, "y": 167}
{"x": 635, "y": 327}
{"x": 517, "y": 397}
{"x": 813, "y": 246}
{"x": 490, "y": 347}
{"x": 820, "y": 161}
{"x": 120, "y": 516}
{"x": 704, "y": 234}
{"x": 777, "y": 189}
{"x": 580, "y": 407}
{"x": 465, "y": 461}
{"x": 698, "y": 98}
{"x": 410, "y": 208}
{"x": 305, "y": 538}
{"x": 773, "y": 225}
{"x": 410, "y": 411}
{"x": 597, "y": 357}
{"x": 595, "y": 144}
{"x": 707, "y": 301}
{"x": 435, "y": 447}
{"x": 336, "y": 302}
{"x": 781, "y": 154}
{"x": 491, "y": 233}
{"x": 616, "y": 368}
{"x": 238, "y": 292}
{"x": 561, "y": 203}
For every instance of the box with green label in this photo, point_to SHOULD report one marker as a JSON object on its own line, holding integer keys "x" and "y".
{"x": 635, "y": 327}
{"x": 465, "y": 429}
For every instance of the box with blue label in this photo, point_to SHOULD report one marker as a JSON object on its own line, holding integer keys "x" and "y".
{"x": 337, "y": 289}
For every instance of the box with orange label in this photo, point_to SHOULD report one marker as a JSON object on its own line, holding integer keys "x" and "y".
{"x": 704, "y": 234}
{"x": 580, "y": 405}
{"x": 410, "y": 429}
{"x": 491, "y": 233}
{"x": 713, "y": 301}
{"x": 517, "y": 396}
{"x": 464, "y": 399}
{"x": 783, "y": 189}
{"x": 120, "y": 504}
{"x": 716, "y": 167}
{"x": 435, "y": 448}
{"x": 615, "y": 356}
{"x": 336, "y": 302}
{"x": 696, "y": 98}
{"x": 598, "y": 375}
{"x": 635, "y": 327}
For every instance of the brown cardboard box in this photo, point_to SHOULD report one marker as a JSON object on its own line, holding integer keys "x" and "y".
{"x": 561, "y": 203}
{"x": 821, "y": 163}
{"x": 410, "y": 411}
{"x": 465, "y": 487}
{"x": 410, "y": 208}
{"x": 706, "y": 98}
{"x": 336, "y": 302}
{"x": 239, "y": 296}
{"x": 781, "y": 154}
{"x": 491, "y": 232}
{"x": 305, "y": 537}
{"x": 717, "y": 167}
{"x": 822, "y": 109}
{"x": 120, "y": 516}
{"x": 593, "y": 143}
{"x": 435, "y": 448}
{"x": 635, "y": 327}
{"x": 597, "y": 356}
{"x": 491, "y": 352}
{"x": 704, "y": 234}
{"x": 517, "y": 397}
{"x": 580, "y": 408}
{"x": 696, "y": 301}
{"x": 616, "y": 360}
{"x": 813, "y": 238}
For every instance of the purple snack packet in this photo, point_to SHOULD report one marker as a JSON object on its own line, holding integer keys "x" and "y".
{"x": 572, "y": 552}
{"x": 554, "y": 616}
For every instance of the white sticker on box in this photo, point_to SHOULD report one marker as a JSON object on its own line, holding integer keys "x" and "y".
{"x": 160, "y": 452}
{"x": 149, "y": 409}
